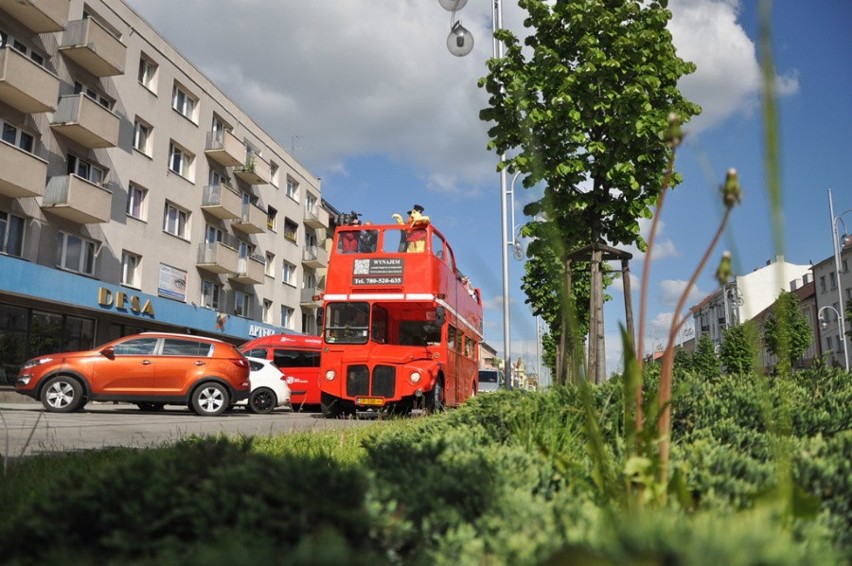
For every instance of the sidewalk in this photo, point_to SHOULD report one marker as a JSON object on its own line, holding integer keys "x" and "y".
{"x": 9, "y": 395}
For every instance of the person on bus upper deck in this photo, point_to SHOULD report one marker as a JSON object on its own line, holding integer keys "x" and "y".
{"x": 368, "y": 240}
{"x": 417, "y": 222}
{"x": 349, "y": 240}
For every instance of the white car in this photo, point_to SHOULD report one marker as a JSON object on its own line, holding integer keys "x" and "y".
{"x": 269, "y": 389}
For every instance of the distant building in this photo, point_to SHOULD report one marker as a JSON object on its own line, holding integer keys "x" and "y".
{"x": 829, "y": 303}
{"x": 744, "y": 298}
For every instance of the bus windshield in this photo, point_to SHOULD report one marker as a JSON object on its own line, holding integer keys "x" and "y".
{"x": 347, "y": 323}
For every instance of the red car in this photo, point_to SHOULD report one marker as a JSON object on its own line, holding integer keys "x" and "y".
{"x": 152, "y": 369}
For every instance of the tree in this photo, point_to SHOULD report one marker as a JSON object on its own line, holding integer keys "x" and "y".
{"x": 787, "y": 334}
{"x": 739, "y": 350}
{"x": 584, "y": 115}
{"x": 705, "y": 362}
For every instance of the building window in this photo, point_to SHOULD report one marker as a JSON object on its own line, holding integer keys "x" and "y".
{"x": 180, "y": 160}
{"x": 271, "y": 218}
{"x": 291, "y": 230}
{"x": 845, "y": 267}
{"x": 148, "y": 73}
{"x": 288, "y": 273}
{"x": 269, "y": 268}
{"x": 184, "y": 102}
{"x": 85, "y": 169}
{"x": 11, "y": 234}
{"x": 136, "y": 201}
{"x": 833, "y": 279}
{"x": 18, "y": 137}
{"x": 211, "y": 294}
{"x": 287, "y": 317}
{"x": 142, "y": 136}
{"x": 273, "y": 174}
{"x": 822, "y": 283}
{"x": 175, "y": 221}
{"x": 130, "y": 269}
{"x": 74, "y": 253}
{"x": 242, "y": 304}
{"x": 267, "y": 311}
{"x": 213, "y": 235}
{"x": 292, "y": 189}
{"x": 94, "y": 94}
{"x": 20, "y": 47}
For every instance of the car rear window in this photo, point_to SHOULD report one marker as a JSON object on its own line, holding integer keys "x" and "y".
{"x": 178, "y": 347}
{"x": 488, "y": 376}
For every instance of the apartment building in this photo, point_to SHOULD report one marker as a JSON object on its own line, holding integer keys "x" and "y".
{"x": 135, "y": 195}
{"x": 833, "y": 281}
{"x": 744, "y": 298}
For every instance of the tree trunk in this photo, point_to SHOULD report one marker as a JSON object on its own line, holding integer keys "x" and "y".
{"x": 597, "y": 351}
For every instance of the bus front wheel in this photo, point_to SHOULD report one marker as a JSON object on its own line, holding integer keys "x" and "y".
{"x": 435, "y": 398}
{"x": 330, "y": 406}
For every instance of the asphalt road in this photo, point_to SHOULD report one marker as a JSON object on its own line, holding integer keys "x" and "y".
{"x": 27, "y": 429}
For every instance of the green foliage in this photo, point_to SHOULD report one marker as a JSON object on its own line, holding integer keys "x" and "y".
{"x": 705, "y": 362}
{"x": 787, "y": 334}
{"x": 171, "y": 502}
{"x": 739, "y": 352}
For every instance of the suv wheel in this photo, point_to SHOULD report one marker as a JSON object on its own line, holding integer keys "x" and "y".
{"x": 62, "y": 394}
{"x": 210, "y": 399}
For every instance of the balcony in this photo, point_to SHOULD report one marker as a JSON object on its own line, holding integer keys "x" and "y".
{"x": 316, "y": 217}
{"x": 250, "y": 271}
{"x": 256, "y": 171}
{"x": 224, "y": 148}
{"x": 85, "y": 121}
{"x": 252, "y": 220}
{"x": 307, "y": 297}
{"x": 314, "y": 257}
{"x": 76, "y": 199}
{"x": 222, "y": 202}
{"x": 40, "y": 16}
{"x": 22, "y": 174}
{"x": 89, "y": 44}
{"x": 25, "y": 85}
{"x": 218, "y": 257}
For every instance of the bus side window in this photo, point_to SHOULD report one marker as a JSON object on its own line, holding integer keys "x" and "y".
{"x": 451, "y": 336}
{"x": 255, "y": 353}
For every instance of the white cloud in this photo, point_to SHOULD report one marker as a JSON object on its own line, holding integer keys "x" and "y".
{"x": 727, "y": 78}
{"x": 672, "y": 289}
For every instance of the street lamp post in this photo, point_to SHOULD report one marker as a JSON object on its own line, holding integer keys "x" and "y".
{"x": 823, "y": 324}
{"x": 835, "y": 239}
{"x": 460, "y": 43}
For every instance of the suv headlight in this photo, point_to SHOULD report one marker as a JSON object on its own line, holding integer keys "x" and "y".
{"x": 36, "y": 362}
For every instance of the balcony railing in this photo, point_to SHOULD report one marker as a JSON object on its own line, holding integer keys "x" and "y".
{"x": 307, "y": 297}
{"x": 314, "y": 256}
{"x": 250, "y": 270}
{"x": 255, "y": 171}
{"x": 40, "y": 16}
{"x": 316, "y": 217}
{"x": 89, "y": 44}
{"x": 77, "y": 199}
{"x": 22, "y": 174}
{"x": 85, "y": 121}
{"x": 224, "y": 148}
{"x": 252, "y": 220}
{"x": 218, "y": 257}
{"x": 222, "y": 202}
{"x": 25, "y": 85}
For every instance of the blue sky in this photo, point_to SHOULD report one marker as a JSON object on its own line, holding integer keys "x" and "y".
{"x": 365, "y": 94}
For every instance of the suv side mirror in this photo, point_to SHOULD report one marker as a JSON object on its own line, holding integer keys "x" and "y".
{"x": 108, "y": 352}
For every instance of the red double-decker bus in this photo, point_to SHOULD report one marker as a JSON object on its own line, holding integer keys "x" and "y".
{"x": 401, "y": 329}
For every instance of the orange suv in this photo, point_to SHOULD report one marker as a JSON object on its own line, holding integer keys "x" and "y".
{"x": 152, "y": 369}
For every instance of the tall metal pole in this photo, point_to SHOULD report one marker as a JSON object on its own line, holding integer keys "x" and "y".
{"x": 497, "y": 53}
{"x": 835, "y": 239}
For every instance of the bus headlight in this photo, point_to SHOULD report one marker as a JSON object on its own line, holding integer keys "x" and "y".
{"x": 414, "y": 377}
{"x": 330, "y": 375}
